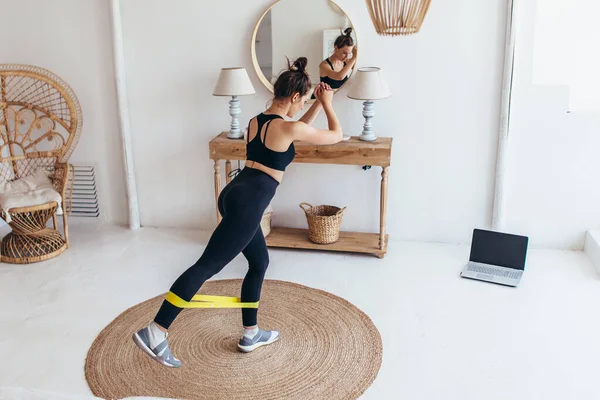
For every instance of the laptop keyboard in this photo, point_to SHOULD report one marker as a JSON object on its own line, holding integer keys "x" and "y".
{"x": 494, "y": 271}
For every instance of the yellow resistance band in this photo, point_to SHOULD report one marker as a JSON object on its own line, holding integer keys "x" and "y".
{"x": 205, "y": 301}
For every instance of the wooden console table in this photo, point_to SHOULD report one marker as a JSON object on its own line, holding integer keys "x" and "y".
{"x": 350, "y": 152}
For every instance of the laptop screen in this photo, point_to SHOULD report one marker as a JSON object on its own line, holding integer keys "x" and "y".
{"x": 501, "y": 249}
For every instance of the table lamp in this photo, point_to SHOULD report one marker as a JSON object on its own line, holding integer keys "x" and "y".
{"x": 234, "y": 82}
{"x": 368, "y": 85}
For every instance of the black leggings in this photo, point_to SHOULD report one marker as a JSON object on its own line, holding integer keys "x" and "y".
{"x": 242, "y": 204}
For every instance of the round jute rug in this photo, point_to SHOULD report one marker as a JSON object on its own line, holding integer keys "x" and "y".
{"x": 329, "y": 349}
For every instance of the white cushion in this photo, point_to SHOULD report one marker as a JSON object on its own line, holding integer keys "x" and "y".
{"x": 32, "y": 190}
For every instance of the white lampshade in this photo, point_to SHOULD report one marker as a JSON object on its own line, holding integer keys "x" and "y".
{"x": 233, "y": 82}
{"x": 368, "y": 84}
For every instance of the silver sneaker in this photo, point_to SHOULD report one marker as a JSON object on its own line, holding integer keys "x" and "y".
{"x": 160, "y": 353}
{"x": 262, "y": 338}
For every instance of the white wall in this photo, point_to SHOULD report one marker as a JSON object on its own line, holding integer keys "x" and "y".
{"x": 565, "y": 56}
{"x": 552, "y": 182}
{"x": 443, "y": 116}
{"x": 298, "y": 32}
{"x": 72, "y": 39}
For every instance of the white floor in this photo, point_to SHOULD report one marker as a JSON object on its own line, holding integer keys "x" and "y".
{"x": 444, "y": 337}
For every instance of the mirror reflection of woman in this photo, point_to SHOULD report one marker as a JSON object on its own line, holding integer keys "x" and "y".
{"x": 335, "y": 69}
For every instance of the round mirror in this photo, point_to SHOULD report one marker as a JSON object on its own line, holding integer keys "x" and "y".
{"x": 309, "y": 28}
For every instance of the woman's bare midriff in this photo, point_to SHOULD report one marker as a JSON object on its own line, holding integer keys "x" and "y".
{"x": 273, "y": 173}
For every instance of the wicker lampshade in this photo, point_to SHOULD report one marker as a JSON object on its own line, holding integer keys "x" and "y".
{"x": 397, "y": 17}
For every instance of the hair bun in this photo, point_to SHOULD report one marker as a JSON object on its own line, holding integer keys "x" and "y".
{"x": 301, "y": 63}
{"x": 348, "y": 31}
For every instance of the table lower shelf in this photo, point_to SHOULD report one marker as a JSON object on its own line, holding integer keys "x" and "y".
{"x": 354, "y": 242}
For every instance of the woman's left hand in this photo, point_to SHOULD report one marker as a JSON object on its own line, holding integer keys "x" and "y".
{"x": 324, "y": 86}
{"x": 320, "y": 88}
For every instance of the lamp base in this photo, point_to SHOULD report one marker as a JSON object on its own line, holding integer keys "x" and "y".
{"x": 234, "y": 110}
{"x": 367, "y": 138}
{"x": 368, "y": 133}
{"x": 232, "y": 135}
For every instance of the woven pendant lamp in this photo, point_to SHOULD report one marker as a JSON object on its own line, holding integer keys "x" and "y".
{"x": 397, "y": 17}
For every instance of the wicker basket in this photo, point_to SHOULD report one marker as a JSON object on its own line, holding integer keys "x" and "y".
{"x": 323, "y": 222}
{"x": 265, "y": 223}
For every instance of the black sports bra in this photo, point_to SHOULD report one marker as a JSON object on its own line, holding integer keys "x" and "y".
{"x": 257, "y": 151}
{"x": 334, "y": 83}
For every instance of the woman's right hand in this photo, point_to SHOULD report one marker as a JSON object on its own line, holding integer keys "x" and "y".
{"x": 324, "y": 94}
{"x": 353, "y": 58}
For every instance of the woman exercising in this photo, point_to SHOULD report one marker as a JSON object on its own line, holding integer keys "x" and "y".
{"x": 335, "y": 69}
{"x": 269, "y": 150}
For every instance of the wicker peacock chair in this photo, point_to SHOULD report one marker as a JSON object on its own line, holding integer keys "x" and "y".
{"x": 40, "y": 125}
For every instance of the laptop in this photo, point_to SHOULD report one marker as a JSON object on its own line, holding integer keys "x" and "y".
{"x": 496, "y": 257}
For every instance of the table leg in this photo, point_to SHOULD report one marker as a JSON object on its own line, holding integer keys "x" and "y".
{"x": 383, "y": 208}
{"x": 217, "y": 188}
{"x": 228, "y": 171}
